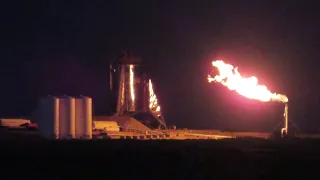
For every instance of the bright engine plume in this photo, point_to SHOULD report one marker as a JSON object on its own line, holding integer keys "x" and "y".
{"x": 248, "y": 87}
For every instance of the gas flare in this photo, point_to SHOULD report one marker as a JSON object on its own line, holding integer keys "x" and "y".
{"x": 230, "y": 77}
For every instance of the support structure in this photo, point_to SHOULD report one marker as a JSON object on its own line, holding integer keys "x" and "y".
{"x": 284, "y": 131}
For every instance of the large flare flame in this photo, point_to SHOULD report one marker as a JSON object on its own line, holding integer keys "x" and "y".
{"x": 248, "y": 87}
{"x": 153, "y": 102}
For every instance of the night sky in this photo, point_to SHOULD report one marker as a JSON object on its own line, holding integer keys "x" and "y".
{"x": 64, "y": 47}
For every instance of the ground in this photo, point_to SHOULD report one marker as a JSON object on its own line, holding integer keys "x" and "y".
{"x": 134, "y": 159}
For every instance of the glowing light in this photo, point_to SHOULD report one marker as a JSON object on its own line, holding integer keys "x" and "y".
{"x": 132, "y": 83}
{"x": 248, "y": 87}
{"x": 153, "y": 102}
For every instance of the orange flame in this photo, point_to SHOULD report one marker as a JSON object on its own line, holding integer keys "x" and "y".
{"x": 248, "y": 87}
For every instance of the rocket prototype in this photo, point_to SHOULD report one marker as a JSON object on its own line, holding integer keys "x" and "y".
{"x": 132, "y": 91}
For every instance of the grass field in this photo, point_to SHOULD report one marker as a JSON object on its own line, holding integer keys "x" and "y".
{"x": 131, "y": 159}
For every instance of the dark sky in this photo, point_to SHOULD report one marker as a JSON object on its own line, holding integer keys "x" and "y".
{"x": 64, "y": 47}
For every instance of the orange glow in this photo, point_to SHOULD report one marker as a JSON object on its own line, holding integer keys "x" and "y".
{"x": 131, "y": 83}
{"x": 248, "y": 87}
{"x": 153, "y": 102}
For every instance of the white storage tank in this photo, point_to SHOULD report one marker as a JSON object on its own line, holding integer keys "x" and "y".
{"x": 79, "y": 118}
{"x": 67, "y": 118}
{"x": 48, "y": 117}
{"x": 83, "y": 118}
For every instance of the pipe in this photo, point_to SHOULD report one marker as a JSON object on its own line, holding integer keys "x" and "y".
{"x": 284, "y": 131}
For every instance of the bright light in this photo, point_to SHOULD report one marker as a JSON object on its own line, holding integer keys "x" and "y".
{"x": 248, "y": 87}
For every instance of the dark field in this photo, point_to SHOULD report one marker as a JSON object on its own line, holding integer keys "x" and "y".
{"x": 130, "y": 159}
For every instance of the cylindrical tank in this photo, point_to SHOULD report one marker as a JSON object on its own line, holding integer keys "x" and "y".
{"x": 79, "y": 118}
{"x": 48, "y": 117}
{"x": 67, "y": 118}
{"x": 56, "y": 118}
{"x": 131, "y": 89}
{"x": 83, "y": 118}
{"x": 87, "y": 117}
{"x": 125, "y": 75}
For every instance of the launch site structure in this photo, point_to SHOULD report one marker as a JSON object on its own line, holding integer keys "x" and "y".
{"x": 133, "y": 92}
